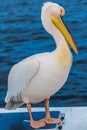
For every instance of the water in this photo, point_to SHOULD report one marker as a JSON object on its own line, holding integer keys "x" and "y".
{"x": 22, "y": 35}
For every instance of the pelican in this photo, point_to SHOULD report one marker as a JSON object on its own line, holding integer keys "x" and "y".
{"x": 38, "y": 77}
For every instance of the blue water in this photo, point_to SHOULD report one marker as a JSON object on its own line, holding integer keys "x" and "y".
{"x": 22, "y": 35}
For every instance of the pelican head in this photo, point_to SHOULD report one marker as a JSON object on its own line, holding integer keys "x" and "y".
{"x": 51, "y": 19}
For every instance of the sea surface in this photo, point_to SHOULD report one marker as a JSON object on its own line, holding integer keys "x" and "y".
{"x": 22, "y": 35}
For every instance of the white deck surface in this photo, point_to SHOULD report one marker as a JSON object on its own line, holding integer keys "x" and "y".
{"x": 75, "y": 117}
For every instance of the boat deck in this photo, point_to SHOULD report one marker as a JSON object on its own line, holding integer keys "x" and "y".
{"x": 75, "y": 118}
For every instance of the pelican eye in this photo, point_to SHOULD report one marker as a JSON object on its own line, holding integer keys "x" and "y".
{"x": 62, "y": 12}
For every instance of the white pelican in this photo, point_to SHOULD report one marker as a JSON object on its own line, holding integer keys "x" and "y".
{"x": 36, "y": 78}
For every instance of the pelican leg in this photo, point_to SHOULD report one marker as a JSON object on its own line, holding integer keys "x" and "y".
{"x": 48, "y": 118}
{"x": 34, "y": 124}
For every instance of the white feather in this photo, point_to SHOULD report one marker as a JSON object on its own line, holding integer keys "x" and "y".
{"x": 20, "y": 76}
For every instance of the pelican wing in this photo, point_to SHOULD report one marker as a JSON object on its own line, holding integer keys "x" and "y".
{"x": 20, "y": 76}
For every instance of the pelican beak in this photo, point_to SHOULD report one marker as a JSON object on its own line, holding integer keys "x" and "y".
{"x": 57, "y": 21}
